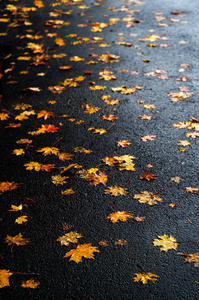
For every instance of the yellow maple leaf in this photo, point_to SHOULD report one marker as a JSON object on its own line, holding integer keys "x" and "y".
{"x": 166, "y": 242}
{"x": 16, "y": 240}
{"x": 148, "y": 197}
{"x": 24, "y": 141}
{"x": 97, "y": 88}
{"x": 68, "y": 192}
{"x": 22, "y": 106}
{"x": 59, "y": 42}
{"x": 16, "y": 208}
{"x": 33, "y": 165}
{"x": 119, "y": 216}
{"x": 116, "y": 191}
{"x": 145, "y": 277}
{"x": 71, "y": 237}
{"x": 48, "y": 150}
{"x": 58, "y": 179}
{"x": 90, "y": 109}
{"x": 30, "y": 284}
{"x": 100, "y": 131}
{"x": 4, "y": 278}
{"x": 18, "y": 152}
{"x": 76, "y": 58}
{"x": 184, "y": 143}
{"x": 21, "y": 219}
{"x": 82, "y": 250}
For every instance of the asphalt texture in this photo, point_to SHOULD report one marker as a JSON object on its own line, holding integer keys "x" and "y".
{"x": 161, "y": 64}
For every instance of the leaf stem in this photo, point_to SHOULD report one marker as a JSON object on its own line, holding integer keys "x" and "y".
{"x": 163, "y": 189}
{"x": 57, "y": 141}
{"x": 186, "y": 241}
{"x": 113, "y": 206}
{"x": 141, "y": 268}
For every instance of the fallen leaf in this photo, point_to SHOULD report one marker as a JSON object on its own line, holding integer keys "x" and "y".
{"x": 119, "y": 216}
{"x": 71, "y": 237}
{"x": 21, "y": 220}
{"x": 145, "y": 277}
{"x": 116, "y": 191}
{"x": 16, "y": 240}
{"x": 58, "y": 179}
{"x": 148, "y": 137}
{"x": 165, "y": 242}
{"x": 148, "y": 176}
{"x": 82, "y": 250}
{"x": 31, "y": 284}
{"x": 148, "y": 197}
{"x": 120, "y": 242}
{"x": 123, "y": 143}
{"x": 4, "y": 278}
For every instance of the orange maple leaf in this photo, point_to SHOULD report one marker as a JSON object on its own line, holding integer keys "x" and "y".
{"x": 4, "y": 278}
{"x": 49, "y": 128}
{"x": 45, "y": 114}
{"x": 7, "y": 186}
{"x": 30, "y": 284}
{"x": 119, "y": 216}
{"x": 82, "y": 250}
{"x": 123, "y": 143}
{"x": 148, "y": 176}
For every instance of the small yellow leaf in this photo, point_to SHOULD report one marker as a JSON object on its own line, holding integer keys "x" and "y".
{"x": 145, "y": 277}
{"x": 30, "y": 284}
{"x": 16, "y": 208}
{"x": 21, "y": 219}
{"x": 4, "y": 278}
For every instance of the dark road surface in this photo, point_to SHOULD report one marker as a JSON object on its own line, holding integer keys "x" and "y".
{"x": 157, "y": 44}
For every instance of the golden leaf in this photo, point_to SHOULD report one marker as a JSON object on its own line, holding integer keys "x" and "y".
{"x": 56, "y": 89}
{"x": 76, "y": 58}
{"x": 58, "y": 179}
{"x": 16, "y": 208}
{"x": 119, "y": 216}
{"x": 16, "y": 240}
{"x": 97, "y": 88}
{"x": 38, "y": 3}
{"x": 183, "y": 143}
{"x": 71, "y": 237}
{"x": 68, "y": 192}
{"x": 18, "y": 152}
{"x": 148, "y": 137}
{"x": 145, "y": 277}
{"x": 4, "y": 116}
{"x": 4, "y": 278}
{"x": 30, "y": 284}
{"x": 100, "y": 131}
{"x": 65, "y": 156}
{"x": 59, "y": 42}
{"x": 90, "y": 109}
{"x": 48, "y": 150}
{"x": 148, "y": 197}
{"x": 45, "y": 114}
{"x": 21, "y": 219}
{"x": 82, "y": 250}
{"x": 33, "y": 165}
{"x": 110, "y": 117}
{"x": 24, "y": 141}
{"x": 116, "y": 191}
{"x": 7, "y": 186}
{"x": 166, "y": 242}
{"x": 176, "y": 179}
{"x": 192, "y": 189}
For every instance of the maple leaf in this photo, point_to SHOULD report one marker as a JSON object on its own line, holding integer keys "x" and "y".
{"x": 96, "y": 179}
{"x": 192, "y": 189}
{"x": 123, "y": 143}
{"x": 48, "y": 150}
{"x": 59, "y": 42}
{"x": 65, "y": 156}
{"x": 30, "y": 284}
{"x": 4, "y": 278}
{"x": 76, "y": 58}
{"x": 148, "y": 176}
{"x": 148, "y": 137}
{"x": 166, "y": 242}
{"x": 109, "y": 161}
{"x": 149, "y": 106}
{"x": 47, "y": 167}
{"x": 82, "y": 150}
{"x": 58, "y": 179}
{"x": 192, "y": 134}
{"x": 45, "y": 114}
{"x": 139, "y": 219}
{"x": 103, "y": 243}
{"x": 16, "y": 208}
{"x": 148, "y": 197}
{"x": 57, "y": 89}
{"x": 13, "y": 125}
{"x": 71, "y": 237}
{"x": 90, "y": 109}
{"x": 110, "y": 117}
{"x": 191, "y": 258}
{"x": 100, "y": 131}
{"x": 68, "y": 192}
{"x": 116, "y": 191}
{"x": 18, "y": 152}
{"x": 4, "y": 116}
{"x": 50, "y": 128}
{"x": 16, "y": 240}
{"x": 119, "y": 216}
{"x": 21, "y": 219}
{"x": 176, "y": 179}
{"x": 120, "y": 242}
{"x": 24, "y": 141}
{"x": 183, "y": 143}
{"x": 33, "y": 165}
{"x": 145, "y": 277}
{"x": 7, "y": 186}
{"x": 97, "y": 88}
{"x": 82, "y": 250}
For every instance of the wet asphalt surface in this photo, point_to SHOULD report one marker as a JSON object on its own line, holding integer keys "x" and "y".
{"x": 109, "y": 275}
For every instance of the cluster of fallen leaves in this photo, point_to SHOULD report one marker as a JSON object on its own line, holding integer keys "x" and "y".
{"x": 35, "y": 53}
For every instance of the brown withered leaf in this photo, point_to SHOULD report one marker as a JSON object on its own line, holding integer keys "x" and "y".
{"x": 110, "y": 117}
{"x": 148, "y": 176}
{"x": 103, "y": 243}
{"x": 191, "y": 258}
{"x": 139, "y": 219}
{"x": 121, "y": 242}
